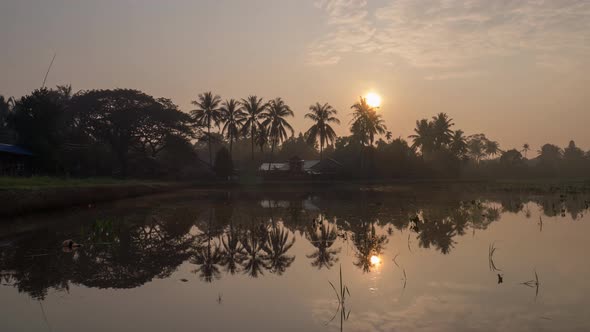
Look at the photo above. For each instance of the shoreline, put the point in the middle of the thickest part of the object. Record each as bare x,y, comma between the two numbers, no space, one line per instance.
22,201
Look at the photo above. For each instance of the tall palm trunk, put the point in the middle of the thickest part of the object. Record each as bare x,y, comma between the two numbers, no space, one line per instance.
272,150
252,136
209,141
231,143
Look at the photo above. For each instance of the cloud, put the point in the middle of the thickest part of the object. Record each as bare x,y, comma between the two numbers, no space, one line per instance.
453,35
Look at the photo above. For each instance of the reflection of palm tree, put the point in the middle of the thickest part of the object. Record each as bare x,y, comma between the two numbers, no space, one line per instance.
254,259
367,244
233,251
323,239
208,257
276,250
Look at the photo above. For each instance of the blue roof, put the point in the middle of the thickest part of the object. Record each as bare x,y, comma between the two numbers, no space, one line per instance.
8,148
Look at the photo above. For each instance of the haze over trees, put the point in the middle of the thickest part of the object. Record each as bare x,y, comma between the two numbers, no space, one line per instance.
127,133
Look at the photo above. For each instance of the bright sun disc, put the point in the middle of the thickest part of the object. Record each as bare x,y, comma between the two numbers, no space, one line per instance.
373,99
375,260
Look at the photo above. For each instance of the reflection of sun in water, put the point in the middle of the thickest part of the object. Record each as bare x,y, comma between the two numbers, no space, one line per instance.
373,99
375,260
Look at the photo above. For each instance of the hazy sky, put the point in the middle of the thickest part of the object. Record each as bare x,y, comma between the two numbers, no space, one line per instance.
515,70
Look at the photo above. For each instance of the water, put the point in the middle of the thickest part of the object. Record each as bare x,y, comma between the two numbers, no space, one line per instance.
412,258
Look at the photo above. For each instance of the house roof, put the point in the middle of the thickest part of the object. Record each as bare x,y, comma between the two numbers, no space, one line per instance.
274,167
13,149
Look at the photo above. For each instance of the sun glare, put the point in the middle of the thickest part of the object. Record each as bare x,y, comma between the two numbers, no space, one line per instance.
373,99
375,260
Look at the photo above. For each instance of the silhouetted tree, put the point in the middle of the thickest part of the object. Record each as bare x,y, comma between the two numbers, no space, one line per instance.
323,116
526,148
275,123
254,109
207,114
366,123
232,118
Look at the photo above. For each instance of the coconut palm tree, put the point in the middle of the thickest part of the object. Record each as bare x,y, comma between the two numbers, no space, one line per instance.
423,137
492,148
441,127
232,118
388,136
366,123
275,123
323,116
253,109
526,148
207,114
458,143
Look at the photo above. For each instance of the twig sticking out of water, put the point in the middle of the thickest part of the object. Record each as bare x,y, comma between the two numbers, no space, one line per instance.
405,279
533,283
341,296
396,264
491,250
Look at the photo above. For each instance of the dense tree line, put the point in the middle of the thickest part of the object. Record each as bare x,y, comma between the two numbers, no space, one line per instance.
125,132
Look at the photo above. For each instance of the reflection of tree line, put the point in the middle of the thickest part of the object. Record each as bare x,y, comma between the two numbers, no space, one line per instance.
242,237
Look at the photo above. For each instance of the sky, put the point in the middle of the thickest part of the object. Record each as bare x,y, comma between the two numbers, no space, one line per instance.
514,70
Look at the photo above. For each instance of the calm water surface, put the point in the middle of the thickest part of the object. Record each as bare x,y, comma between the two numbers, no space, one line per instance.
412,259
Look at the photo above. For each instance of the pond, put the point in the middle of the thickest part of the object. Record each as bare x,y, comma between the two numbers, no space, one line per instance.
405,259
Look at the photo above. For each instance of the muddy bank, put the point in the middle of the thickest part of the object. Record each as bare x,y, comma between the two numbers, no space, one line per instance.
15,202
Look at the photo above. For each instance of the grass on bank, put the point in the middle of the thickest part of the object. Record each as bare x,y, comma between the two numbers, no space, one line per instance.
43,182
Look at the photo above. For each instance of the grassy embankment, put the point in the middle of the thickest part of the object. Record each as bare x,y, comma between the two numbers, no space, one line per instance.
25,195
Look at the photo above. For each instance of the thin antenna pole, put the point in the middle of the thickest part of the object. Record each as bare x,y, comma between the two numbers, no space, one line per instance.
48,69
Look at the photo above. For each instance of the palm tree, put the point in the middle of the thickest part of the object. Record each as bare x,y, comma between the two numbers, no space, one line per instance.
322,115
423,137
253,109
261,139
207,114
388,136
492,148
275,123
526,148
366,123
232,118
458,143
441,126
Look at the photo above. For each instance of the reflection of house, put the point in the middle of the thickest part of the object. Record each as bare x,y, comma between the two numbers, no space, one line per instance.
299,168
14,160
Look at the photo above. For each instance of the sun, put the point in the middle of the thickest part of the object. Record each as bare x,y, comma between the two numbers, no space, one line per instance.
373,99
375,260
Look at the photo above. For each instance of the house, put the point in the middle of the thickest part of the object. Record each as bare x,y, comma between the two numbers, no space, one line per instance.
297,168
14,160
